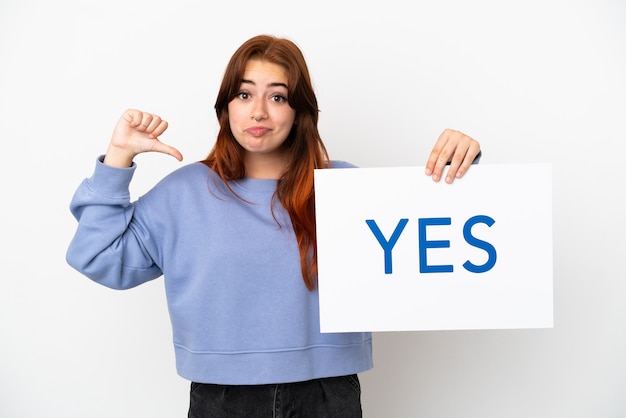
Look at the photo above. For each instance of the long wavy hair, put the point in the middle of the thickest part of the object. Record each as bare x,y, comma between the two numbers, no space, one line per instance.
306,150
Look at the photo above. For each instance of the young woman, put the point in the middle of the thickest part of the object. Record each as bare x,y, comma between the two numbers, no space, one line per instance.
234,238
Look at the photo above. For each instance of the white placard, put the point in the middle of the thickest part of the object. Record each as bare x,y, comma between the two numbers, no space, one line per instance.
399,252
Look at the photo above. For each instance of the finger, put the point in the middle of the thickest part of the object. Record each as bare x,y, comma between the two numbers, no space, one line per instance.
470,156
435,154
158,129
440,166
133,117
154,123
456,163
440,155
146,120
167,149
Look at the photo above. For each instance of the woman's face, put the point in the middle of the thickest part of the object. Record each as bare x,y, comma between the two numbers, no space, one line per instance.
260,116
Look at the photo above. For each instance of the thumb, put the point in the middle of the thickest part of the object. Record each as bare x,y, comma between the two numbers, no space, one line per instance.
163,148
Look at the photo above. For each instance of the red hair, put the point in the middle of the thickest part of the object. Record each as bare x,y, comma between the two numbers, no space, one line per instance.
305,147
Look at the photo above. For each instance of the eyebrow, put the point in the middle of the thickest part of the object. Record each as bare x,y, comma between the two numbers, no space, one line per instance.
269,85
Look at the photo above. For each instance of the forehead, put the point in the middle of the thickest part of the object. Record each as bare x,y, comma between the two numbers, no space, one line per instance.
264,72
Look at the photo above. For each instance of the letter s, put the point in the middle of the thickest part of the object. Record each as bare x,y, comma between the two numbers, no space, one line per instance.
475,242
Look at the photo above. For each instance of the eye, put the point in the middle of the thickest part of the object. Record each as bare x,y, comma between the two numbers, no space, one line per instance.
243,95
279,98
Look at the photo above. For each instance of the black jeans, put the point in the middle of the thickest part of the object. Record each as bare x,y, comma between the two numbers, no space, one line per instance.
334,397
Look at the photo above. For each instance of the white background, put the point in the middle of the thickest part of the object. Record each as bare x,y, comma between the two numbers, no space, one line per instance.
534,81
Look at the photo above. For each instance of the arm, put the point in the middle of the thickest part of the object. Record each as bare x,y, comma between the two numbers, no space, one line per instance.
111,246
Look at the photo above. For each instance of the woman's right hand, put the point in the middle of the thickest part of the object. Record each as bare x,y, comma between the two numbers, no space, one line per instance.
137,132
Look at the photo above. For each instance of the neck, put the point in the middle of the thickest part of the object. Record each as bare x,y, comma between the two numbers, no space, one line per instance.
265,166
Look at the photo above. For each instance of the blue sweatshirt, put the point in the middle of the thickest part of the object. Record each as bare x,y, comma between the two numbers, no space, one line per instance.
239,309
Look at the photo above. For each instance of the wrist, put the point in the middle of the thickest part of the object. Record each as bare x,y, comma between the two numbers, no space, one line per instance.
118,157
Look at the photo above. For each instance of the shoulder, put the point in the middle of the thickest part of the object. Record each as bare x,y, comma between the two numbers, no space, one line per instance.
186,173
187,177
340,164
191,169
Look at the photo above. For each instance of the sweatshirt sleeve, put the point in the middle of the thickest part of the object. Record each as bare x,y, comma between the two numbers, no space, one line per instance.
108,247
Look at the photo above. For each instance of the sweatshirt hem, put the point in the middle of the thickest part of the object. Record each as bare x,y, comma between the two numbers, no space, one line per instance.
275,366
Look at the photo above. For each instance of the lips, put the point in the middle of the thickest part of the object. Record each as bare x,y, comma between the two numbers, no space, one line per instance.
257,130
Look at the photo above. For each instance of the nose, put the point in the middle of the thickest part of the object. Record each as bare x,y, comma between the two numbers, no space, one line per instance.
259,111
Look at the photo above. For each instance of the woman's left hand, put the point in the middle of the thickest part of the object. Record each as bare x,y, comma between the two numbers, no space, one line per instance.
455,148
